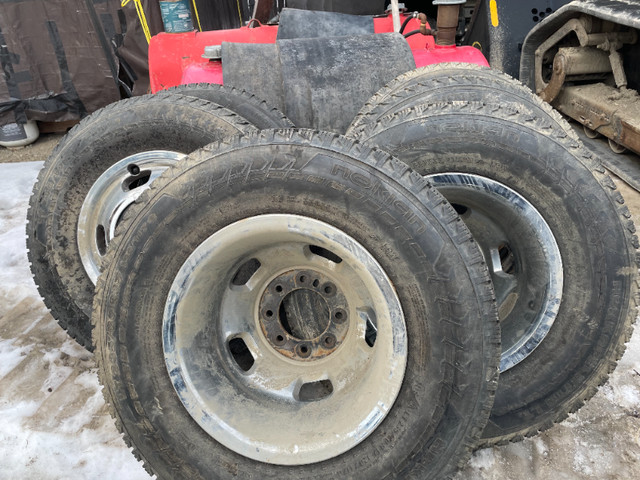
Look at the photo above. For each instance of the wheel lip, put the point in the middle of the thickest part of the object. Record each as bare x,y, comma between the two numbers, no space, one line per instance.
102,206
218,428
521,349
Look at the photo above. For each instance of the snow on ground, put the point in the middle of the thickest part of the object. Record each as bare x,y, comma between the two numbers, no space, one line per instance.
53,420
16,181
54,423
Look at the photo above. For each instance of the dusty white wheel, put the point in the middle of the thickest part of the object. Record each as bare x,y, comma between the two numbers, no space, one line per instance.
117,188
305,332
91,178
279,321
560,248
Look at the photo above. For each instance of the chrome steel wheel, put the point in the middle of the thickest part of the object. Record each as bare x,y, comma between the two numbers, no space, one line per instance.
111,194
522,254
284,339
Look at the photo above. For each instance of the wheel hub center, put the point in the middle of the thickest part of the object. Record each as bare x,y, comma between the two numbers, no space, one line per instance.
303,315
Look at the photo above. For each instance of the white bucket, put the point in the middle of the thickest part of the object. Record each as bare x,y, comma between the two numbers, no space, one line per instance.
19,135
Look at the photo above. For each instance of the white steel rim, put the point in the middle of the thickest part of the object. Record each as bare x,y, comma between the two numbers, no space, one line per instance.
115,190
258,410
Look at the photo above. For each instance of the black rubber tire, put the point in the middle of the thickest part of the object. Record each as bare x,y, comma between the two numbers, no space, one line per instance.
448,82
450,314
245,104
591,225
167,122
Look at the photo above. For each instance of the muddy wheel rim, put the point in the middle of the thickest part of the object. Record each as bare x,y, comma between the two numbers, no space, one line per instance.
521,252
284,339
117,188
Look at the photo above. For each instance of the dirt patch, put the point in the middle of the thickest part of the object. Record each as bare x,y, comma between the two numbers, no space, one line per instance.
36,152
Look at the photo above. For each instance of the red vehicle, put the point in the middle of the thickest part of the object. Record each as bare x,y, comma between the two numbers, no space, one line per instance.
177,59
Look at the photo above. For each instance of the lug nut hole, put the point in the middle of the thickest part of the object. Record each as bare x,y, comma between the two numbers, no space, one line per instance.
329,341
339,316
303,350
329,289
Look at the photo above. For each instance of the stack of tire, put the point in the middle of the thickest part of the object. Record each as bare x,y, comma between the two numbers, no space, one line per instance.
456,271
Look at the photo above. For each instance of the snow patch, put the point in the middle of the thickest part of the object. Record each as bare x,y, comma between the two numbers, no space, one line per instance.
73,349
541,447
86,443
483,459
11,356
16,183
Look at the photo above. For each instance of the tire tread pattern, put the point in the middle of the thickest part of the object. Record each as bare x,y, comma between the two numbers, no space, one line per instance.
556,128
395,169
44,207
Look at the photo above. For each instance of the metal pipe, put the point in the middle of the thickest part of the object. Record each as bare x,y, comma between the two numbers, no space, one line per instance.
447,24
395,14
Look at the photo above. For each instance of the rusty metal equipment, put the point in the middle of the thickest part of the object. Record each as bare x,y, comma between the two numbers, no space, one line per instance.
588,81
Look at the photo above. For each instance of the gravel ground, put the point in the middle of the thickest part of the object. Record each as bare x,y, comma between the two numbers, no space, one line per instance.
39,150
54,424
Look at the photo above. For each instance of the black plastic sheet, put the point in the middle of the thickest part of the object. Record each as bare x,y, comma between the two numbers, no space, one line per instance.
63,59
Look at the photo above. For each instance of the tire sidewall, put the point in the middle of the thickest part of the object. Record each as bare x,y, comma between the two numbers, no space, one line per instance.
171,122
541,167
431,280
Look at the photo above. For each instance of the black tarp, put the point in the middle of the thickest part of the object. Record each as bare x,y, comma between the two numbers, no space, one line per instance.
222,14
61,58
64,59
353,7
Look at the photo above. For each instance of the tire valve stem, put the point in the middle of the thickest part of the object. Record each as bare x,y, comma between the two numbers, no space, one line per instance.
134,169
